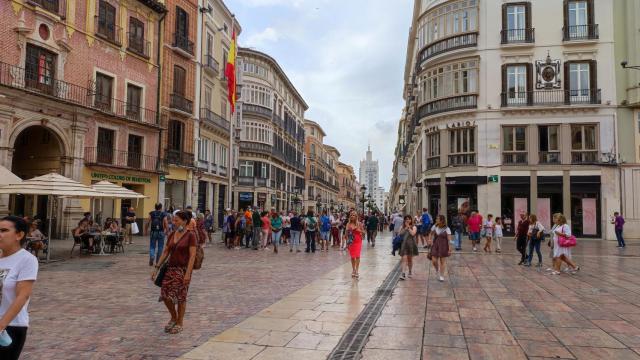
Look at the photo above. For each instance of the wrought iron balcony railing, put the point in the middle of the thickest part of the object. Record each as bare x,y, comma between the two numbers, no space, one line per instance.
180,158
215,119
580,32
256,109
433,162
549,157
211,64
462,160
181,103
462,102
551,97
108,31
181,41
138,45
54,6
18,78
584,157
122,159
255,147
517,36
514,158
449,44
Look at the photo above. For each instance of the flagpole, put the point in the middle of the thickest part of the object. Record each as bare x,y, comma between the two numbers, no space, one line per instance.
232,122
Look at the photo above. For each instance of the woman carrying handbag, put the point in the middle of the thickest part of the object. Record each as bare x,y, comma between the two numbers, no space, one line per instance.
562,252
173,274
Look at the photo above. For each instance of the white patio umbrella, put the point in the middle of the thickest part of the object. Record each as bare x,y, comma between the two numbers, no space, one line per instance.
116,192
51,185
7,177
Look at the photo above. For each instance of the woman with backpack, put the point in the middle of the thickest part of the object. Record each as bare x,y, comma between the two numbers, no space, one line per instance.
536,236
561,253
180,254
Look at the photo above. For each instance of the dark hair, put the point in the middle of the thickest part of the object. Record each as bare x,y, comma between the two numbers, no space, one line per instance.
20,225
442,219
158,206
407,217
184,215
86,213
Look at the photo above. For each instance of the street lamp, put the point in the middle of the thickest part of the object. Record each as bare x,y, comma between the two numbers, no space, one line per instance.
625,65
363,189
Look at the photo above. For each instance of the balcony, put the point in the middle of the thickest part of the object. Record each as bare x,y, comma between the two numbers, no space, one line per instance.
551,98
549,157
108,31
580,32
255,147
433,162
181,42
584,157
179,102
257,110
121,159
246,180
215,120
52,6
138,45
517,36
514,158
16,77
462,102
261,182
180,158
462,160
449,44
211,65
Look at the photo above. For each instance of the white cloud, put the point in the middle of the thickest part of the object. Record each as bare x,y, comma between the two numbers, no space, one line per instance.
260,39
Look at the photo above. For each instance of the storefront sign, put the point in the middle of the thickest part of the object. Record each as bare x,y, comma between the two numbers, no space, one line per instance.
466,180
246,196
123,178
432,182
262,197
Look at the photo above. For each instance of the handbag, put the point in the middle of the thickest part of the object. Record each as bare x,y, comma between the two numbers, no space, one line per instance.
162,269
349,237
567,241
134,228
197,264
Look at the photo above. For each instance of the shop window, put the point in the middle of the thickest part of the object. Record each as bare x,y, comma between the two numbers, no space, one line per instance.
583,144
514,145
105,146
40,69
549,149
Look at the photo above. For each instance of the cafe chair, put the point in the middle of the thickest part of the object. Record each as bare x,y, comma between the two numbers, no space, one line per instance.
77,241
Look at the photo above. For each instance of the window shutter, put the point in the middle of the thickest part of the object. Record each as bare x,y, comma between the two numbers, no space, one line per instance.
565,9
590,13
528,35
504,85
567,83
504,22
593,81
529,67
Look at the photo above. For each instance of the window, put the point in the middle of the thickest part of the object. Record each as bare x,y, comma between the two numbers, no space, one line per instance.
548,144
583,144
433,150
579,21
577,11
258,95
223,156
214,153
225,59
136,36
517,84
462,147
581,82
40,69
246,168
514,144
104,91
179,80
107,22
516,23
448,20
203,149
449,80
207,97
134,101
176,129
134,151
105,145
182,24
209,45
49,5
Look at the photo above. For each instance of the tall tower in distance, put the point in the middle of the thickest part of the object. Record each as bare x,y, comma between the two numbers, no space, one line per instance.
369,172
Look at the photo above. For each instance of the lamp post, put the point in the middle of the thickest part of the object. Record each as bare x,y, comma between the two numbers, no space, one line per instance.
318,203
363,190
625,65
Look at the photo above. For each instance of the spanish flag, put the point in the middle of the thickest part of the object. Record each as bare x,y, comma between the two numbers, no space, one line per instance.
230,72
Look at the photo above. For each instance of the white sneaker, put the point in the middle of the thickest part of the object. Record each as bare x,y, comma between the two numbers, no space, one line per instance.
475,249
441,278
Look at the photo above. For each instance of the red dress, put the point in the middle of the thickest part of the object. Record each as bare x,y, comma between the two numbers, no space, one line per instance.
356,246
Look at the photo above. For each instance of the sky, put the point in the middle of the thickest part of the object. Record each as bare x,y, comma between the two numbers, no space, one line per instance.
346,58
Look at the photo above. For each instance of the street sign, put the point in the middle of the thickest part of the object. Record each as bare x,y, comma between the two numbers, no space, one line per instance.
162,178
493,178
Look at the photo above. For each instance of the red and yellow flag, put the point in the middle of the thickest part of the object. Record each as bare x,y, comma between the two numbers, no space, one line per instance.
230,72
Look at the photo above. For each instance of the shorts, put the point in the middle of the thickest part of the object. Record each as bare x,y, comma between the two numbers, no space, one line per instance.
324,235
474,236
423,230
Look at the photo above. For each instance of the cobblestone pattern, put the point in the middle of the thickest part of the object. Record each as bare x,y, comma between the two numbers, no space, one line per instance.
106,307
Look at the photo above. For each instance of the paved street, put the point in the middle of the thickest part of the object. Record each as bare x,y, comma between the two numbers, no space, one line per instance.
256,305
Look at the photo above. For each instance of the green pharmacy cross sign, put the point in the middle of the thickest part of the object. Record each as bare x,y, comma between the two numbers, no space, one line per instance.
493,178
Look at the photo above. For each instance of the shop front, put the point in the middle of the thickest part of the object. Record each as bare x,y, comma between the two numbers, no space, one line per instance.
585,206
245,199
262,200
175,189
515,199
549,199
462,194
433,196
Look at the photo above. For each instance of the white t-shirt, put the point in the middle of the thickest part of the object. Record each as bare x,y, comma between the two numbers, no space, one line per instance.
439,230
20,266
286,222
498,229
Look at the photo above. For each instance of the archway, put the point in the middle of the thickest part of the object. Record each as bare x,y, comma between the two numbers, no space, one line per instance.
36,151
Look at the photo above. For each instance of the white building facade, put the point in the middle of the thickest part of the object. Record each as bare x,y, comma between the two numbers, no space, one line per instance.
510,108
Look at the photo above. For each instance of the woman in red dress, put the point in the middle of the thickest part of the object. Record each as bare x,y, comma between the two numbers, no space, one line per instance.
354,233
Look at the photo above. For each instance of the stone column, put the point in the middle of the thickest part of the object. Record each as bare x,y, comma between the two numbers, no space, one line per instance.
566,195
532,144
6,152
443,194
565,143
69,210
534,192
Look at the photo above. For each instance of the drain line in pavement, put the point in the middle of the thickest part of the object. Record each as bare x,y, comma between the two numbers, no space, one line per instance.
355,338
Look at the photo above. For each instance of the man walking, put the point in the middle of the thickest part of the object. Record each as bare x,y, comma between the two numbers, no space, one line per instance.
457,226
425,227
618,222
475,223
372,229
129,219
159,226
310,228
257,228
522,231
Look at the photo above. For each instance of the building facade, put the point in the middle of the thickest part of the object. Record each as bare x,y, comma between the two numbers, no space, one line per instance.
78,97
322,187
271,137
348,195
369,172
212,176
542,140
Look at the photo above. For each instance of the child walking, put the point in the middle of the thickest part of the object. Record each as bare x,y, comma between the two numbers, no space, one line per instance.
498,234
488,229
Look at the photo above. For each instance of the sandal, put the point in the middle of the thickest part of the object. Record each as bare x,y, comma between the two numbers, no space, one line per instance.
175,330
169,326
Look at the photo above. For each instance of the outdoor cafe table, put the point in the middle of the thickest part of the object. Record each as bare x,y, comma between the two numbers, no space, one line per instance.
101,236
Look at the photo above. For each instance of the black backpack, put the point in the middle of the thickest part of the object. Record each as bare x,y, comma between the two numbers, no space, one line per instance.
156,220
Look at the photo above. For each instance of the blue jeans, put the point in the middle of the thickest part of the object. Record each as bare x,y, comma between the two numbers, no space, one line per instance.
619,237
457,239
295,239
534,244
311,241
157,241
275,237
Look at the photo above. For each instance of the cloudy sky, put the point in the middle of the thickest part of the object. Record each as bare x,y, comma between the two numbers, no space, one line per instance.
346,58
